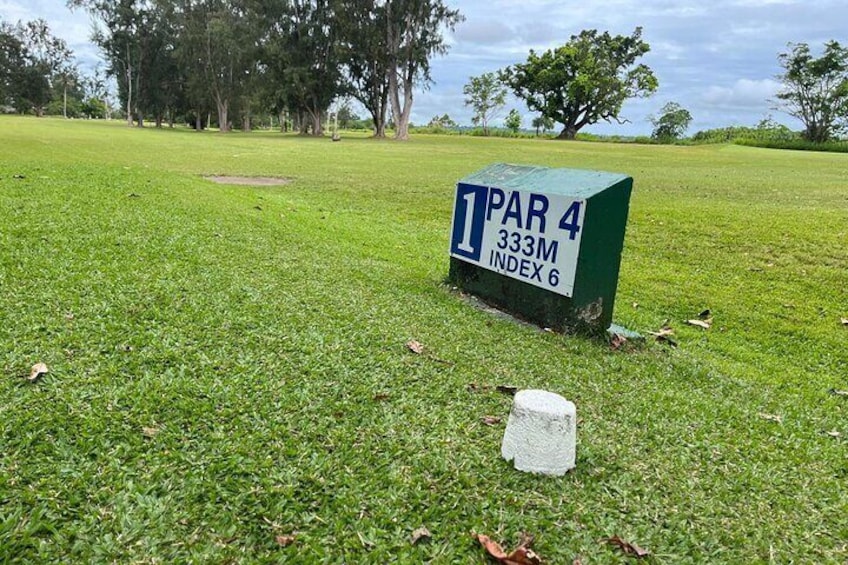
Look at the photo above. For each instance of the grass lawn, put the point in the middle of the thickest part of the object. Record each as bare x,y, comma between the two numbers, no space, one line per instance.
228,363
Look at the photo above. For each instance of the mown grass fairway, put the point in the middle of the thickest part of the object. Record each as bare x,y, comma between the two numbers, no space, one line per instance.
228,363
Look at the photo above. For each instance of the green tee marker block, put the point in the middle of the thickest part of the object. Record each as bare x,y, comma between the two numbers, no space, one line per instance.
543,244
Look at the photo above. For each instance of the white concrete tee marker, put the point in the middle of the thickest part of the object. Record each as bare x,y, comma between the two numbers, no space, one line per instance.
541,433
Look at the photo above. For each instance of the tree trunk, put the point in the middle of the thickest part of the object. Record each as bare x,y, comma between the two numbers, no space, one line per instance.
245,122
65,102
317,128
223,123
129,95
159,120
400,113
140,120
569,132
198,124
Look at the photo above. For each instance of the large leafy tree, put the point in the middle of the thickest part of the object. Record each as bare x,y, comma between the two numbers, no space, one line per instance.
486,95
217,45
672,122
815,90
584,81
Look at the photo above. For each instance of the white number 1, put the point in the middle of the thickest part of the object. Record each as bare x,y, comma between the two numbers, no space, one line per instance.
465,244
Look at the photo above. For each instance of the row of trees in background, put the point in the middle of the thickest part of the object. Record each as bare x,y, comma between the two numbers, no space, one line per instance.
240,57
185,59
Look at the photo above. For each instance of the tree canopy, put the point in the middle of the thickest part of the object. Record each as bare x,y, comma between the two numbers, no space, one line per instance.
584,81
672,122
815,90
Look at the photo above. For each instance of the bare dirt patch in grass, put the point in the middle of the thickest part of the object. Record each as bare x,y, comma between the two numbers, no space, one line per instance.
249,181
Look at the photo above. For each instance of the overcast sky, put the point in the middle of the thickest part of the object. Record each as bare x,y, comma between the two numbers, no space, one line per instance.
718,58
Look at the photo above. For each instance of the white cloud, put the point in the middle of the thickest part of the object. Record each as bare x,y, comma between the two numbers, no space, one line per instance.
744,93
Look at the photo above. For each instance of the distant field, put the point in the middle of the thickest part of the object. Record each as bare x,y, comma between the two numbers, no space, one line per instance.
228,363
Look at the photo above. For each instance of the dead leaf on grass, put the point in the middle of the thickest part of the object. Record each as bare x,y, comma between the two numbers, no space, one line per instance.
522,555
705,324
628,547
415,346
771,417
285,541
491,420
844,321
381,396
834,433
37,370
663,335
420,534
149,432
507,389
835,392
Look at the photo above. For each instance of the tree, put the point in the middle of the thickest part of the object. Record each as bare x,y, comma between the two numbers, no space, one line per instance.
815,90
584,81
513,121
12,63
35,60
346,116
486,95
542,124
414,34
672,122
363,30
121,31
442,122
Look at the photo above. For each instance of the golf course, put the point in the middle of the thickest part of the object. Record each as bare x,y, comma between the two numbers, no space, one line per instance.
227,377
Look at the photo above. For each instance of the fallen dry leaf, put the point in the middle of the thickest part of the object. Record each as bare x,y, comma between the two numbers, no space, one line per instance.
635,304
771,417
285,541
664,335
522,555
415,347
835,392
844,321
834,433
421,533
37,370
705,324
627,547
507,389
491,420
149,432
380,396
